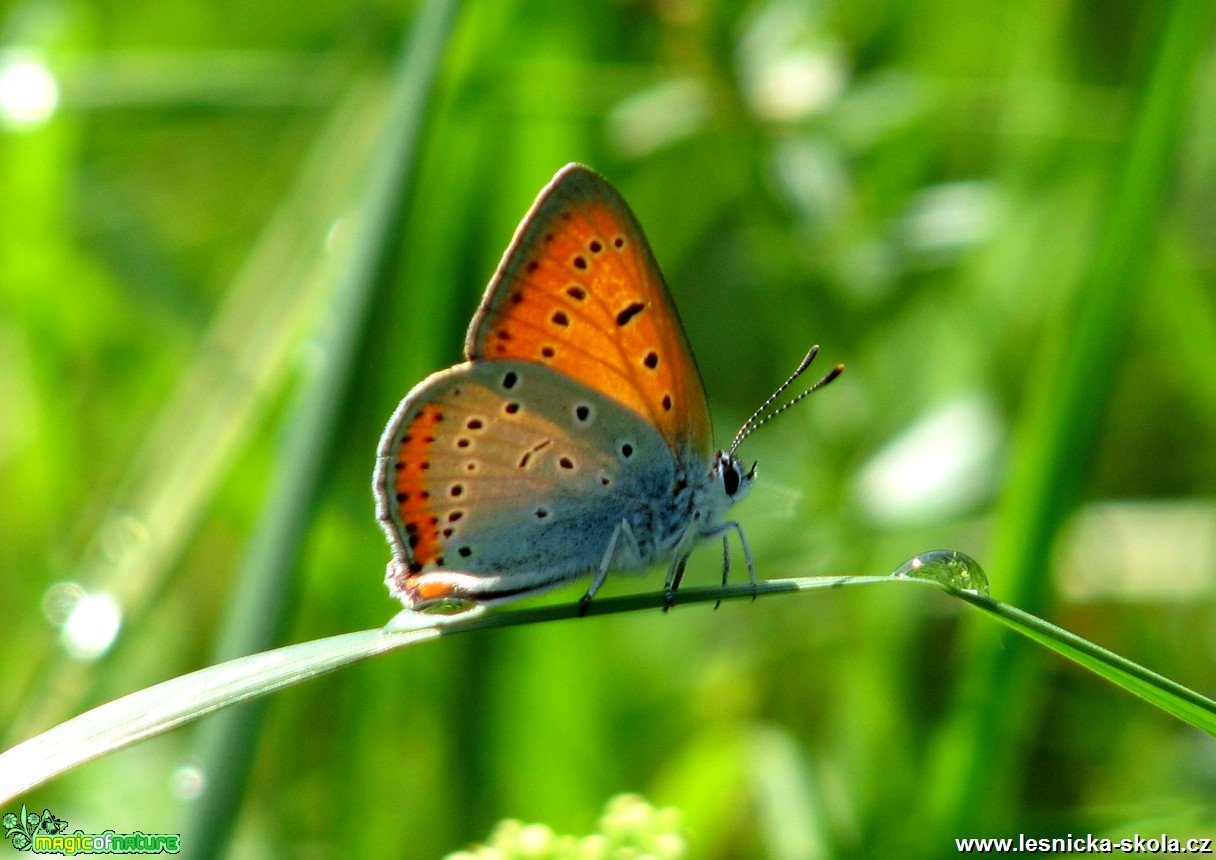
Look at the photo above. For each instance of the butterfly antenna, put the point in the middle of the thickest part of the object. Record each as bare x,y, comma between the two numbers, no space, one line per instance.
747,427
758,419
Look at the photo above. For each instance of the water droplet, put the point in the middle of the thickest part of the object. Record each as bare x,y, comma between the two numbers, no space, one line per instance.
122,536
92,626
947,566
59,601
187,782
29,93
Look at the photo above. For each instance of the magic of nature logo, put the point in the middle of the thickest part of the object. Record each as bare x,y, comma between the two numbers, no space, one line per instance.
48,834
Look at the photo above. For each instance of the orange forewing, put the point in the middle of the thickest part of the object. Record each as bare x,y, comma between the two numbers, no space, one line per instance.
580,291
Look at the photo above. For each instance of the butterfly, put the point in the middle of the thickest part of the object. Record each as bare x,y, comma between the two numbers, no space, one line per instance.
575,440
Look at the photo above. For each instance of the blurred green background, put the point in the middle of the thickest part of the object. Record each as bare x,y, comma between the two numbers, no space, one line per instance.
233,235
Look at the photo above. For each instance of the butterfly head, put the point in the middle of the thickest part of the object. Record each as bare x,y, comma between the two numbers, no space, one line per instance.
732,477
727,482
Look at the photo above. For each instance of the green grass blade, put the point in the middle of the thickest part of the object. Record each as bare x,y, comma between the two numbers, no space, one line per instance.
976,752
159,708
173,703
1173,698
263,603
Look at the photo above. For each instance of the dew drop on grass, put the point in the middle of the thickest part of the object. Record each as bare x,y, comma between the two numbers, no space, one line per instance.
948,567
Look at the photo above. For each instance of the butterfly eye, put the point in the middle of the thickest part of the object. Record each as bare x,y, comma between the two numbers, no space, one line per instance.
730,479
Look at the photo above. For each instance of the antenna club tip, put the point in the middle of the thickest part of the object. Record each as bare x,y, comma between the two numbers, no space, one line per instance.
806,360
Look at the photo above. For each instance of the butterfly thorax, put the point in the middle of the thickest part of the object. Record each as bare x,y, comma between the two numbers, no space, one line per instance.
696,506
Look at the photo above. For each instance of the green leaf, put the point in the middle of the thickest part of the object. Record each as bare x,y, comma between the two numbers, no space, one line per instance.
173,703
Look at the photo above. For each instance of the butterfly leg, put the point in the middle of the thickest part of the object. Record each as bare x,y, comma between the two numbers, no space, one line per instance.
747,552
623,531
675,573
725,565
